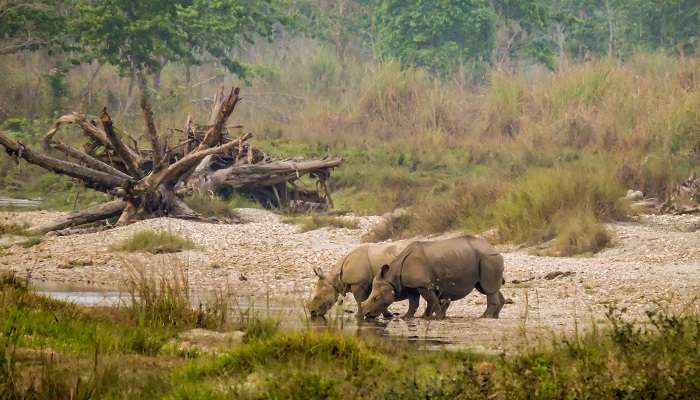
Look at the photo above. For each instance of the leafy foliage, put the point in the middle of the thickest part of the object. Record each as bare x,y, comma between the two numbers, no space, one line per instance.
144,35
440,35
524,27
30,24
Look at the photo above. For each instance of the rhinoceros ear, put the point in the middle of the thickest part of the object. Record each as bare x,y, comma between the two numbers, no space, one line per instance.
383,271
318,273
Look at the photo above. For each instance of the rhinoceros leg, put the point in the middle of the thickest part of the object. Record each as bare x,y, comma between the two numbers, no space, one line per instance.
444,305
413,301
494,304
433,306
360,293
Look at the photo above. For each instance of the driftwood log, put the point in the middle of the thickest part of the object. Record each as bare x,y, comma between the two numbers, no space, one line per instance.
152,182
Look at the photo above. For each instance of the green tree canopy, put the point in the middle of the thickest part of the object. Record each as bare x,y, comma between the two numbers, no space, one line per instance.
437,34
670,24
30,24
617,28
523,31
144,35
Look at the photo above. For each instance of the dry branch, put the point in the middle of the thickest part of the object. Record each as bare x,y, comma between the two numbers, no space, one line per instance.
89,129
87,160
131,160
214,133
92,178
97,213
151,131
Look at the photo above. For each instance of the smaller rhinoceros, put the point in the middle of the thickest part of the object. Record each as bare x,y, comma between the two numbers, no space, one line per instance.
353,273
440,272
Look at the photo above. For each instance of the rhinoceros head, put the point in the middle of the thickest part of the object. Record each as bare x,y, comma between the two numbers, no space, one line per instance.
324,296
381,297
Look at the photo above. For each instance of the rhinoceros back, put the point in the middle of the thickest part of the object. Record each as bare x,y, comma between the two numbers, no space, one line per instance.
363,262
455,265
355,266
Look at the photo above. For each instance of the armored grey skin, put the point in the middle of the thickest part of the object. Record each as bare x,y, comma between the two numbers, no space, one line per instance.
440,272
353,273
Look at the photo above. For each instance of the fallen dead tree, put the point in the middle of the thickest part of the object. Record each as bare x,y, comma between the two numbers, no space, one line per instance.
152,182
685,198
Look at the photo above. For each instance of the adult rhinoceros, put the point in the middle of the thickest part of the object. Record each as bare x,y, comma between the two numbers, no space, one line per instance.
353,273
440,272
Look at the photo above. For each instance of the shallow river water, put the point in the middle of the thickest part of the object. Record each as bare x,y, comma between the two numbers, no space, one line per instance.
455,332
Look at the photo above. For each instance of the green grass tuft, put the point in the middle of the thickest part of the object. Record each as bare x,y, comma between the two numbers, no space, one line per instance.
213,207
154,242
237,200
14,229
315,221
31,241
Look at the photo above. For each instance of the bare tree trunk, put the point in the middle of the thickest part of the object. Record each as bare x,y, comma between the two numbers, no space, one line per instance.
611,32
156,79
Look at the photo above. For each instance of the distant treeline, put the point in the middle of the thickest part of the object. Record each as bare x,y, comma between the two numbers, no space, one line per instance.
439,35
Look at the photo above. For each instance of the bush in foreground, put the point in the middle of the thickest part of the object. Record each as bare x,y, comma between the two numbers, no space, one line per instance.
657,360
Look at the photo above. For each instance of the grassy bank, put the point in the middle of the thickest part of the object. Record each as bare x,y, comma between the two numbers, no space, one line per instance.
538,155
122,353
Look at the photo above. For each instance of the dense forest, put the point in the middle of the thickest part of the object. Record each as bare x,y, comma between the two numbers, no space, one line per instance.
534,117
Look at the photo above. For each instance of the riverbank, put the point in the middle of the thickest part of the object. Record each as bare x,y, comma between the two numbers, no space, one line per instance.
654,261
52,349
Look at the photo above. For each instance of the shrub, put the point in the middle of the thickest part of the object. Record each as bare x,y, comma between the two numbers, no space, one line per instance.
568,200
164,298
154,242
394,225
580,233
